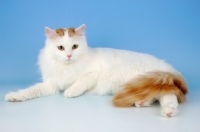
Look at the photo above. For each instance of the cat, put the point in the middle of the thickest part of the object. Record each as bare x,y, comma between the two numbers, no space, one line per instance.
68,64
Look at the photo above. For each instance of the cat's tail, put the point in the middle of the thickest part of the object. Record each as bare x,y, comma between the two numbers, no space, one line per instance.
149,86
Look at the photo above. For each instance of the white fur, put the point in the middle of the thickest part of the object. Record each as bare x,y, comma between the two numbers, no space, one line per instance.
90,70
169,105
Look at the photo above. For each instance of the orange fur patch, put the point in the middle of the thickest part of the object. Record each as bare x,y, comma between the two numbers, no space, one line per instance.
60,32
150,85
71,32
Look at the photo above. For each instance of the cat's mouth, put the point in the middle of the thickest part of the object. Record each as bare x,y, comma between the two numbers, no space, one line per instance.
68,60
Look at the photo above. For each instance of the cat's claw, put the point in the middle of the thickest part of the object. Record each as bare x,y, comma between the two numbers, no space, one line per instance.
168,112
14,97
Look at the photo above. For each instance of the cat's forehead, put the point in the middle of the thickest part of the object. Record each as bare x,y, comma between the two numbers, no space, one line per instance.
66,31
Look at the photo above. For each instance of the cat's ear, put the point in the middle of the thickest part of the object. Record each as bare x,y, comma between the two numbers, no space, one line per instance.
80,30
50,33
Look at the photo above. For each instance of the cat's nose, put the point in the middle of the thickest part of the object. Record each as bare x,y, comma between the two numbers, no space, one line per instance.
69,56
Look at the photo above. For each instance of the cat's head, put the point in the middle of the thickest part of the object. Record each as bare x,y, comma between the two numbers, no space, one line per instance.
66,44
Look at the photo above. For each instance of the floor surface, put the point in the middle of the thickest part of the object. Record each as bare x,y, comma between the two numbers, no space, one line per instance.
92,113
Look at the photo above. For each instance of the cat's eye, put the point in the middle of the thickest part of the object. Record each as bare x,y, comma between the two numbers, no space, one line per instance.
75,46
61,48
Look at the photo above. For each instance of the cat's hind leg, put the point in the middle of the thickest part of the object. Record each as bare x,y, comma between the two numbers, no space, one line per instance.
144,103
169,104
35,91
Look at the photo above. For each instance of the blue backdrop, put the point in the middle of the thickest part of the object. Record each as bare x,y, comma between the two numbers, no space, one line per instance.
168,29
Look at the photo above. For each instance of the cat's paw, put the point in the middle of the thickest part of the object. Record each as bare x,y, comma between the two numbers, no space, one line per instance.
15,97
70,93
142,103
168,111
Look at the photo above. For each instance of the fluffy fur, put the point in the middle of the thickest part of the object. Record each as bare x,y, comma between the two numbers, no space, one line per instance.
68,64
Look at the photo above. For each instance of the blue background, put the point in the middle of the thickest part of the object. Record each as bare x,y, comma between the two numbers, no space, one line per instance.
168,29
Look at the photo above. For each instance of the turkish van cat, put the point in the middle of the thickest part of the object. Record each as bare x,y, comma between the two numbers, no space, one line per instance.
68,64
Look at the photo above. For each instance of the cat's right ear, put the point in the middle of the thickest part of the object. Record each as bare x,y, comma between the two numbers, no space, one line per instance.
50,33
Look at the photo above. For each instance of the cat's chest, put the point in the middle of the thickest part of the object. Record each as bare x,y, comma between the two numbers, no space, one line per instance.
67,75
64,76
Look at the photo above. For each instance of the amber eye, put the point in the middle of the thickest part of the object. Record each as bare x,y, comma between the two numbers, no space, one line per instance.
61,48
75,46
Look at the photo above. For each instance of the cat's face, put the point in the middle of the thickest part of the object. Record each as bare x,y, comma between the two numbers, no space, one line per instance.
66,45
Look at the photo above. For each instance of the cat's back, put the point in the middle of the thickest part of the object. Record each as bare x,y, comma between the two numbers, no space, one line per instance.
114,57
118,55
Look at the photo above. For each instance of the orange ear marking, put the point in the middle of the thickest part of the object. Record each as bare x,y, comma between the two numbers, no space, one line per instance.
60,32
71,32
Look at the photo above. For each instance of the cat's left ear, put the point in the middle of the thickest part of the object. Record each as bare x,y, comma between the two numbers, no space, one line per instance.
80,30
50,33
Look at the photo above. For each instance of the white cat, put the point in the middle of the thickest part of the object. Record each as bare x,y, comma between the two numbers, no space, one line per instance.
68,64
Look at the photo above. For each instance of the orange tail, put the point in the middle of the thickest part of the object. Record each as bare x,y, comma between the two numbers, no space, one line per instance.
150,85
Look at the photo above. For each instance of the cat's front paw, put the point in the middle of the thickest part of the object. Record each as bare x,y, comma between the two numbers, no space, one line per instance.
168,111
15,97
70,93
